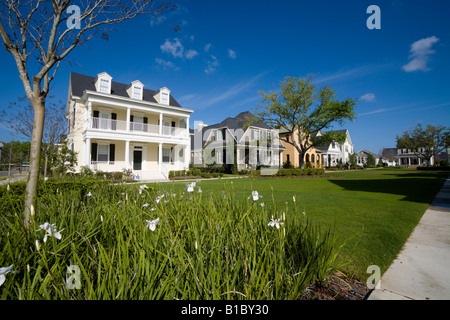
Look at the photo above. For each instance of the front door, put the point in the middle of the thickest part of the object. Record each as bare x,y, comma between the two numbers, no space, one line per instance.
137,160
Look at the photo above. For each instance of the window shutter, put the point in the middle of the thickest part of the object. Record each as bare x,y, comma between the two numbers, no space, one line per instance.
145,124
113,121
95,121
93,152
112,151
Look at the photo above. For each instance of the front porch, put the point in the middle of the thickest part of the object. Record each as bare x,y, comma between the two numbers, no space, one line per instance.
146,160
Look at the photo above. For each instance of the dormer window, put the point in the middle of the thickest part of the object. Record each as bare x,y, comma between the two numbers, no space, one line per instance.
103,83
137,92
163,96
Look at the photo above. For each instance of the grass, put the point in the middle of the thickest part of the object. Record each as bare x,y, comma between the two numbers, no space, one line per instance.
211,245
372,211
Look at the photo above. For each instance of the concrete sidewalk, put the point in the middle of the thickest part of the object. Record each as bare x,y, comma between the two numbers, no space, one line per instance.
422,269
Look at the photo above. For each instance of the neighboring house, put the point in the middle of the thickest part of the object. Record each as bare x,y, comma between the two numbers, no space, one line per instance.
444,156
361,157
408,158
115,126
312,156
242,138
390,156
335,153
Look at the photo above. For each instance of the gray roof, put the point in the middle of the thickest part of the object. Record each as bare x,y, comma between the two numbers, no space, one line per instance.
390,153
241,121
368,152
80,83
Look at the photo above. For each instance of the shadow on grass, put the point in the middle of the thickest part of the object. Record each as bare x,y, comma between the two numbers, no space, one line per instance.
415,186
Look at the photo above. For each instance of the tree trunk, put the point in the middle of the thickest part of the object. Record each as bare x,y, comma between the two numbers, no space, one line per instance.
45,164
301,158
33,177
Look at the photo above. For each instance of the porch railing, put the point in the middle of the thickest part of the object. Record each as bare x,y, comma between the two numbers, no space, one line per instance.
120,125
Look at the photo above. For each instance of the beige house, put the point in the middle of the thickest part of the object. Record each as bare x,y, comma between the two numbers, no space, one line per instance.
115,126
291,154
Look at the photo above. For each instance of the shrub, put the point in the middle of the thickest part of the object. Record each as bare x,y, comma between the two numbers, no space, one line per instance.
206,175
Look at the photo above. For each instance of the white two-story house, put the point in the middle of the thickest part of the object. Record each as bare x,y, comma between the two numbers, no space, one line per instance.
115,126
335,153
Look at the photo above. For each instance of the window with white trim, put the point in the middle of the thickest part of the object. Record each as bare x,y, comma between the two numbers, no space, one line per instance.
103,153
137,92
104,85
164,98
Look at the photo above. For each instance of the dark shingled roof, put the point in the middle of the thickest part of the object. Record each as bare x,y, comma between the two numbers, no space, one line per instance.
390,153
242,121
81,82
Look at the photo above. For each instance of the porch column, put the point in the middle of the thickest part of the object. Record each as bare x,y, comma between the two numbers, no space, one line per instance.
159,154
87,152
127,154
128,120
88,116
187,156
160,125
187,127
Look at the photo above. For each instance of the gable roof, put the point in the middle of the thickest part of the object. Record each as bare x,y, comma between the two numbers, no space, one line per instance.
368,152
242,121
80,82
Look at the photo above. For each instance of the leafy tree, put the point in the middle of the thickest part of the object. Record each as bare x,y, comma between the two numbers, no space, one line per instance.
48,31
14,153
63,160
306,112
353,160
370,160
425,142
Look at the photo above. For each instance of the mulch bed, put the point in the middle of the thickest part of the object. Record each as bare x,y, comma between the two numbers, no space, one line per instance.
339,287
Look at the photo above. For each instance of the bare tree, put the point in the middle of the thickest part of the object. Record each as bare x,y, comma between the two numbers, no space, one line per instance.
20,119
48,31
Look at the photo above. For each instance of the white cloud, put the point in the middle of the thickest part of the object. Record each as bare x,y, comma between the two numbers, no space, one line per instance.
212,65
166,64
368,97
420,52
190,54
176,49
232,54
207,47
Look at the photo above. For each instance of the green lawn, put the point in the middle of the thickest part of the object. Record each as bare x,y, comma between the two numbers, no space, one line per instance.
372,211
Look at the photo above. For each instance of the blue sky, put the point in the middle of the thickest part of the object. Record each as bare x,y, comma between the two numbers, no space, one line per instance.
227,51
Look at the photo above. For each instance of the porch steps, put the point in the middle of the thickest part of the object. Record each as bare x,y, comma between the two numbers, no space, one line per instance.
150,176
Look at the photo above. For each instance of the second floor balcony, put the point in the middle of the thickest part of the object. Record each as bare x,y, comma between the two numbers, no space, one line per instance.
112,125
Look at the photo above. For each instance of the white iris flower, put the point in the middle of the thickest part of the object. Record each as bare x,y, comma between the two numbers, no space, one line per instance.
152,224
